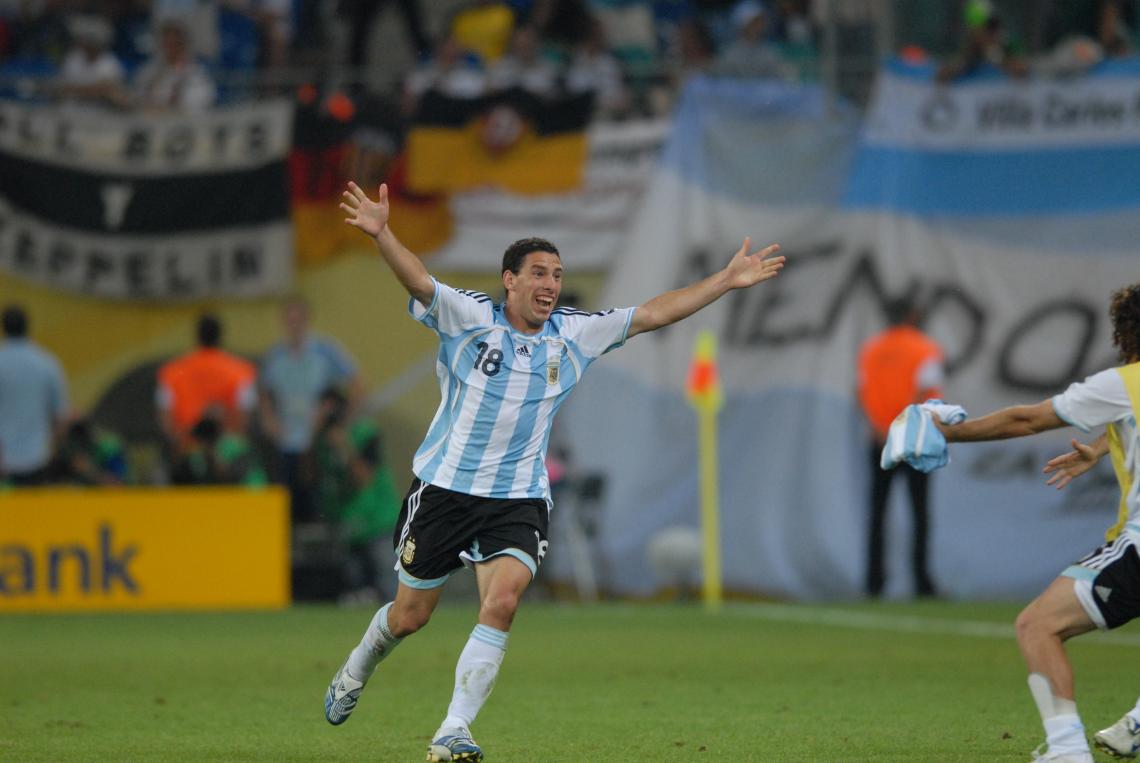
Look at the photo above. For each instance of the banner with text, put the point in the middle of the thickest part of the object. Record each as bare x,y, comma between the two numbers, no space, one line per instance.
132,549
145,206
1014,267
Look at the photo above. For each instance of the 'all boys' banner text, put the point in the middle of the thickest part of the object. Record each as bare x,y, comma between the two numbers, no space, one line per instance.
147,207
1012,241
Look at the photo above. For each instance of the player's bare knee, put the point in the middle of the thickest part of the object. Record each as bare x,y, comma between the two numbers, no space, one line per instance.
408,619
1032,625
498,609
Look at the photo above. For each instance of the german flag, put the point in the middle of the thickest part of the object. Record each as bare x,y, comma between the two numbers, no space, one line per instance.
513,140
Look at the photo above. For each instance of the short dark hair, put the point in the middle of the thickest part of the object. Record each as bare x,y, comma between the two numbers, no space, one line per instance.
1125,314
517,252
15,322
209,331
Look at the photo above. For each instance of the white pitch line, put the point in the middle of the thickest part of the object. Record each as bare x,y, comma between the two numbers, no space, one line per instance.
882,621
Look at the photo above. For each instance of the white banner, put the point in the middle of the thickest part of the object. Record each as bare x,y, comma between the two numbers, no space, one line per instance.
1018,323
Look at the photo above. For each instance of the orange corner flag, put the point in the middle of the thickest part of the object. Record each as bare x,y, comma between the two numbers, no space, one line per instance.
703,385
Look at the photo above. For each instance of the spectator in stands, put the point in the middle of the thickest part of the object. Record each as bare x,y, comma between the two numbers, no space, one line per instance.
214,456
89,455
294,373
563,23
594,69
91,74
792,23
357,494
696,50
360,15
38,33
198,17
133,35
483,27
1113,34
985,45
173,80
451,72
751,54
33,403
273,20
208,376
524,66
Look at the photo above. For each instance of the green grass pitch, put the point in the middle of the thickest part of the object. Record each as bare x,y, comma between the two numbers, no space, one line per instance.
864,682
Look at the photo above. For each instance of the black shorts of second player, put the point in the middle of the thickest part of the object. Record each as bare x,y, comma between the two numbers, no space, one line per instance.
440,530
1107,583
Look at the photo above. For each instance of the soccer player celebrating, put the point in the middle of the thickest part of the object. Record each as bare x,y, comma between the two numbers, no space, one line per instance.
1102,590
480,496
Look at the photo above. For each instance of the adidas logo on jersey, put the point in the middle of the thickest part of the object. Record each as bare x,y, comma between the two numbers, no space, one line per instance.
1103,592
523,350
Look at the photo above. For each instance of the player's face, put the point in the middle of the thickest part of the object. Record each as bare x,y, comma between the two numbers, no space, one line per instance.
533,293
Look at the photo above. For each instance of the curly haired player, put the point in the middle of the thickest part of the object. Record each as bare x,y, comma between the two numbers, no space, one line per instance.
1101,590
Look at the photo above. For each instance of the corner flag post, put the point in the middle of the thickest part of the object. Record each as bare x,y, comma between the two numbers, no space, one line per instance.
704,393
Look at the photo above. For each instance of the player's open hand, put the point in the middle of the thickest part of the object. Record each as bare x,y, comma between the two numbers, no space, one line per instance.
750,268
1068,466
363,213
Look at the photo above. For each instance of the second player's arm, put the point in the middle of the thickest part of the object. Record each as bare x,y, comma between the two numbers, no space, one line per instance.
371,217
746,269
1066,467
1015,421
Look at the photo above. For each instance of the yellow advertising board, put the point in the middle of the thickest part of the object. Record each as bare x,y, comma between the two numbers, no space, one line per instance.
143,548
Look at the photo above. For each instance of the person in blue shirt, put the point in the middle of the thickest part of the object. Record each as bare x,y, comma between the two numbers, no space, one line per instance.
33,403
294,373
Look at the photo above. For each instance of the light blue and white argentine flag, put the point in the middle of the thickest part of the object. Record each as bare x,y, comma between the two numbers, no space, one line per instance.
500,389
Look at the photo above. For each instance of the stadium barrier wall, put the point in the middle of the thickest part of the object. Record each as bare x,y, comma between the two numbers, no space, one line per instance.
143,549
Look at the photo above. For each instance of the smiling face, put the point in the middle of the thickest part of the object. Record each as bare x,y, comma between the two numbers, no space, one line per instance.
532,292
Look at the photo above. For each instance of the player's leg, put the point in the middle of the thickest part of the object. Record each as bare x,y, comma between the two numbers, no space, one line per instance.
501,582
511,544
410,611
1042,628
918,485
880,489
429,534
1114,595
1102,590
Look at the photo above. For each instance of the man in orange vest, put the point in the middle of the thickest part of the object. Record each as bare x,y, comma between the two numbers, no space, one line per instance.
205,378
897,367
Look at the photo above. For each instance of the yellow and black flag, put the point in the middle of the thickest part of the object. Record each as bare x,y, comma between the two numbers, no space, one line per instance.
513,140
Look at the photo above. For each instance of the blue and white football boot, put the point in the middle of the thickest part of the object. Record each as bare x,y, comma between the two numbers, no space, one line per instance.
1120,740
454,744
341,697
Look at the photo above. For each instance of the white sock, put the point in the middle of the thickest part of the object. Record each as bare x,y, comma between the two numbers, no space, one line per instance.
378,643
475,675
1066,734
1134,713
1064,731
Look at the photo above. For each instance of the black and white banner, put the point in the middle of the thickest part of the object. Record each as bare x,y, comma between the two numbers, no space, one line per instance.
146,207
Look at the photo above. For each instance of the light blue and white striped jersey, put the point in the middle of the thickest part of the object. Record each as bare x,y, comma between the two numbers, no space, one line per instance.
500,390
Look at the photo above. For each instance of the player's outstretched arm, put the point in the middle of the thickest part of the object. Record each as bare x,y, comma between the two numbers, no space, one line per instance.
1015,421
1066,467
371,218
746,269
